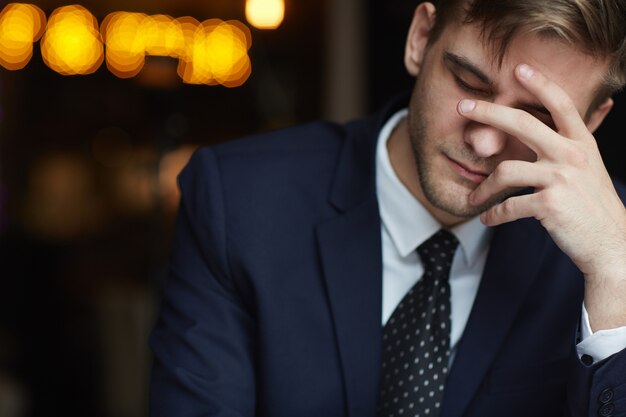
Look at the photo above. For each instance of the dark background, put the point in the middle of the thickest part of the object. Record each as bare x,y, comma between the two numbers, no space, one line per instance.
87,191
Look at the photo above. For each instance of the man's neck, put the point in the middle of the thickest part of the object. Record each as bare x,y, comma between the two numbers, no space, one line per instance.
403,162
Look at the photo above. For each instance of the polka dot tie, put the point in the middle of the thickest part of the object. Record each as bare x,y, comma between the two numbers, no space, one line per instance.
416,338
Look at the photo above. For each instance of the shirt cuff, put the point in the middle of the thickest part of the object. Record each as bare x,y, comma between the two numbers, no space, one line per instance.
601,344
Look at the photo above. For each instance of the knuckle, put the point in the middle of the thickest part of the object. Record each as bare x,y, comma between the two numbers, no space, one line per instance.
564,105
576,157
524,120
488,216
490,111
560,176
505,168
507,207
549,203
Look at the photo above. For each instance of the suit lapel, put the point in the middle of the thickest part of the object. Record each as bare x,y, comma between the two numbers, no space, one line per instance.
515,254
350,251
351,257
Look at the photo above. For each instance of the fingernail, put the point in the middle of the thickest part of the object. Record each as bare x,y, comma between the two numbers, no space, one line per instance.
467,106
526,72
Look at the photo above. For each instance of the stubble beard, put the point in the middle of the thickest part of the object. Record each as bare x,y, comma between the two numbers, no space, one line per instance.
450,199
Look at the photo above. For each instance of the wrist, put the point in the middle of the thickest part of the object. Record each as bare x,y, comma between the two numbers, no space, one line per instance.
605,300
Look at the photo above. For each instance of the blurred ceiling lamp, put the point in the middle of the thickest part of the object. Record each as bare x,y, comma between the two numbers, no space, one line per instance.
125,55
265,14
212,52
71,44
20,26
217,54
129,37
163,36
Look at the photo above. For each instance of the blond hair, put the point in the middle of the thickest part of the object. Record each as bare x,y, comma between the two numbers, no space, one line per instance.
596,27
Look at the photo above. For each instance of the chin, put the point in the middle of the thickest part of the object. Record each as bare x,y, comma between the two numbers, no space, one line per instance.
457,208
454,199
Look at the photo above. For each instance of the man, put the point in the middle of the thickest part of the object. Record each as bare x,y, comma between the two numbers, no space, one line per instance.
304,278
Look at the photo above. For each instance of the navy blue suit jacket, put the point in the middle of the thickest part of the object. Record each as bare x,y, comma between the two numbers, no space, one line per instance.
273,303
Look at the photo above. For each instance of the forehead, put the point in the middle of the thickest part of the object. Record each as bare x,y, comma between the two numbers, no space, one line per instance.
579,74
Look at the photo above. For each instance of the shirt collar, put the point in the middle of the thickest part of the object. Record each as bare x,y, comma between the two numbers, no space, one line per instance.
408,223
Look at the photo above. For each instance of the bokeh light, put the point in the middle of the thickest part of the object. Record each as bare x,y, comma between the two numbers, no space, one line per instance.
163,36
133,185
20,26
170,166
265,14
213,52
218,54
71,44
125,44
61,200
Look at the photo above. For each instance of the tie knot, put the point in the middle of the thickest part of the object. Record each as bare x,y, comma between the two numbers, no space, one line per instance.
438,251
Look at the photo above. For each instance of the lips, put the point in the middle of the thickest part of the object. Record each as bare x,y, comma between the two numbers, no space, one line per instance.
473,175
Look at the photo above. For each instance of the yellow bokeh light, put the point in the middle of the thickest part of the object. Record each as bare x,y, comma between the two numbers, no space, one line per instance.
265,14
163,36
71,44
20,26
217,55
212,52
125,53
189,26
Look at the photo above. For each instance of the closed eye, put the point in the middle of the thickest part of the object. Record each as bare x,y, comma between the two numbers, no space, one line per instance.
469,88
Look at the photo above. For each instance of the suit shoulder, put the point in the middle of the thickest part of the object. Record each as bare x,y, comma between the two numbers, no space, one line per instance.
270,164
318,136
310,151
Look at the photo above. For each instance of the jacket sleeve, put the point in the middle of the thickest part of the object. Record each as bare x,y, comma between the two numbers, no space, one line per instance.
203,342
598,389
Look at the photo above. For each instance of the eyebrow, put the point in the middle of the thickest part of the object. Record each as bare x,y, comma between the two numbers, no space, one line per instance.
467,65
464,63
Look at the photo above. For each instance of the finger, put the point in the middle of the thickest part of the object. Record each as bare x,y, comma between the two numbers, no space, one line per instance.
564,113
515,122
511,209
510,174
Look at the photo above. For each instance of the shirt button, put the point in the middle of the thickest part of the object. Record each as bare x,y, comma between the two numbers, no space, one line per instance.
606,410
606,396
587,360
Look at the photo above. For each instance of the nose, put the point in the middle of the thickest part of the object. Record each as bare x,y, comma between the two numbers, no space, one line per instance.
485,140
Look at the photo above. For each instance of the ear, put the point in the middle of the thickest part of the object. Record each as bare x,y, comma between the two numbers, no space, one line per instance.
417,39
598,115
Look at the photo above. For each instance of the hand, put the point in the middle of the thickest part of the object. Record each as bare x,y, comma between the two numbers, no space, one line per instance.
574,197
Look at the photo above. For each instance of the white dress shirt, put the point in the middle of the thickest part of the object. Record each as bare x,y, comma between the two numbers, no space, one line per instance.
406,224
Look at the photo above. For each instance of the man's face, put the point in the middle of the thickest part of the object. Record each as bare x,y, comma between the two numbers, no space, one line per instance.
454,155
